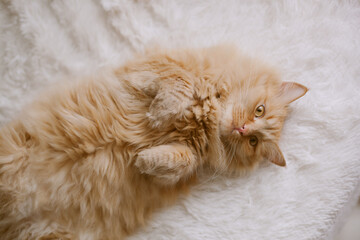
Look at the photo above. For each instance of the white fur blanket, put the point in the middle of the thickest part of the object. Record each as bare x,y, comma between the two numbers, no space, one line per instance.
316,43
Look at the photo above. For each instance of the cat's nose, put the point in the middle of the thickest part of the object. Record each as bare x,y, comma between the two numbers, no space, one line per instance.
240,130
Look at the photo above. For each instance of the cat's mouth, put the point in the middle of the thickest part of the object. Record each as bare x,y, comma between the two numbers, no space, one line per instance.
237,132
240,131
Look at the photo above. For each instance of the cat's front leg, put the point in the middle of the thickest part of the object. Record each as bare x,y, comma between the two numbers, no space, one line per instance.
171,102
167,163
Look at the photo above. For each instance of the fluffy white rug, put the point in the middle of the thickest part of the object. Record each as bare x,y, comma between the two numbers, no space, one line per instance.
316,43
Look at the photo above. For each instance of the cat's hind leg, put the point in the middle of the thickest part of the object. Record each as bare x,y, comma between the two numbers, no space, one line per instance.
32,229
167,163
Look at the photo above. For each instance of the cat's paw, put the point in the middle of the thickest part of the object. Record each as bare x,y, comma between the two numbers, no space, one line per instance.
167,163
166,109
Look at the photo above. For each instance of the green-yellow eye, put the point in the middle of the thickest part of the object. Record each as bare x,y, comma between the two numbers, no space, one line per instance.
253,141
260,111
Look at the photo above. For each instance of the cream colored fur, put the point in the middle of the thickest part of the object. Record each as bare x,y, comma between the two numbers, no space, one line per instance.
95,157
314,43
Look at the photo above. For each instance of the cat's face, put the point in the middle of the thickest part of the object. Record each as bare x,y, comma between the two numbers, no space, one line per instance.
253,112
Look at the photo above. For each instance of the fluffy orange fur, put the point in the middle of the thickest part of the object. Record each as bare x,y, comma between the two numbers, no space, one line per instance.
94,158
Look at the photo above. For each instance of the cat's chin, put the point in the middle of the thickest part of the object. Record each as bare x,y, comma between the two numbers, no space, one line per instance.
236,132
233,139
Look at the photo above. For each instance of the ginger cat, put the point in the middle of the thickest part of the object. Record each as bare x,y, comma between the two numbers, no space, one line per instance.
94,158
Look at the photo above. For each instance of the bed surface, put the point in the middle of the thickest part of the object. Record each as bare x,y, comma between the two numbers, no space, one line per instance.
315,43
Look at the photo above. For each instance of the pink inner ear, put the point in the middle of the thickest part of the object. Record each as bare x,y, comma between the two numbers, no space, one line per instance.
290,91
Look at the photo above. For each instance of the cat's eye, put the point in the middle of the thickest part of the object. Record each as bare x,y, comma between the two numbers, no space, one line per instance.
253,140
260,111
218,95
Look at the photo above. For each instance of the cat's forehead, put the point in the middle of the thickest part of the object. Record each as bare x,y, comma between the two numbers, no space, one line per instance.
250,96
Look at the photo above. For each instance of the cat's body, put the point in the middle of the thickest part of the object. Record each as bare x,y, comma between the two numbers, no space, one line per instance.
71,157
92,159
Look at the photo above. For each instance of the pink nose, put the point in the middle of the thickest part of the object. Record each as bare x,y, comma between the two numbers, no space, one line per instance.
241,130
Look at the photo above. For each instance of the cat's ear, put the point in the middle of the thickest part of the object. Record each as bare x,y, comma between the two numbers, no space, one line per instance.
290,91
274,154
